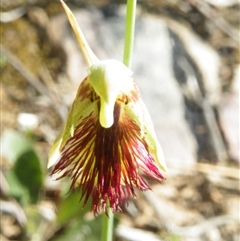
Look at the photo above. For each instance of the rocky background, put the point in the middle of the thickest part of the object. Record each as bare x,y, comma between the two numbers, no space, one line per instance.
186,64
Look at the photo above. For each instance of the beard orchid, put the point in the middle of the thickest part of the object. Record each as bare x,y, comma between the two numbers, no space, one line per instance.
108,140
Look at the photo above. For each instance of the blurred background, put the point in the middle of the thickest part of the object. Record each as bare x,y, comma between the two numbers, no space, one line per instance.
186,64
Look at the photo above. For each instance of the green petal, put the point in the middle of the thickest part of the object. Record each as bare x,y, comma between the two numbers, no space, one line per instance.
88,54
80,109
138,112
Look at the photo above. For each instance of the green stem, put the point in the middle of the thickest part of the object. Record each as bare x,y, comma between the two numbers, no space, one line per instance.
129,32
107,221
107,225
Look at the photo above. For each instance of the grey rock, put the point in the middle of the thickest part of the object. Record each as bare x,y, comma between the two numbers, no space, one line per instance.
229,117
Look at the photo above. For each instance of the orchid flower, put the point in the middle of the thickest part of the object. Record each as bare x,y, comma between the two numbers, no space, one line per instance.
108,140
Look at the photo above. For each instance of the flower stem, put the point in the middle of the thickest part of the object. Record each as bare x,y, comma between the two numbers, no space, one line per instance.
107,226
129,32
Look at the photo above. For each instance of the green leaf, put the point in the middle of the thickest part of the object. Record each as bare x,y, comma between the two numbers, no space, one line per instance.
29,173
70,207
17,190
26,176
